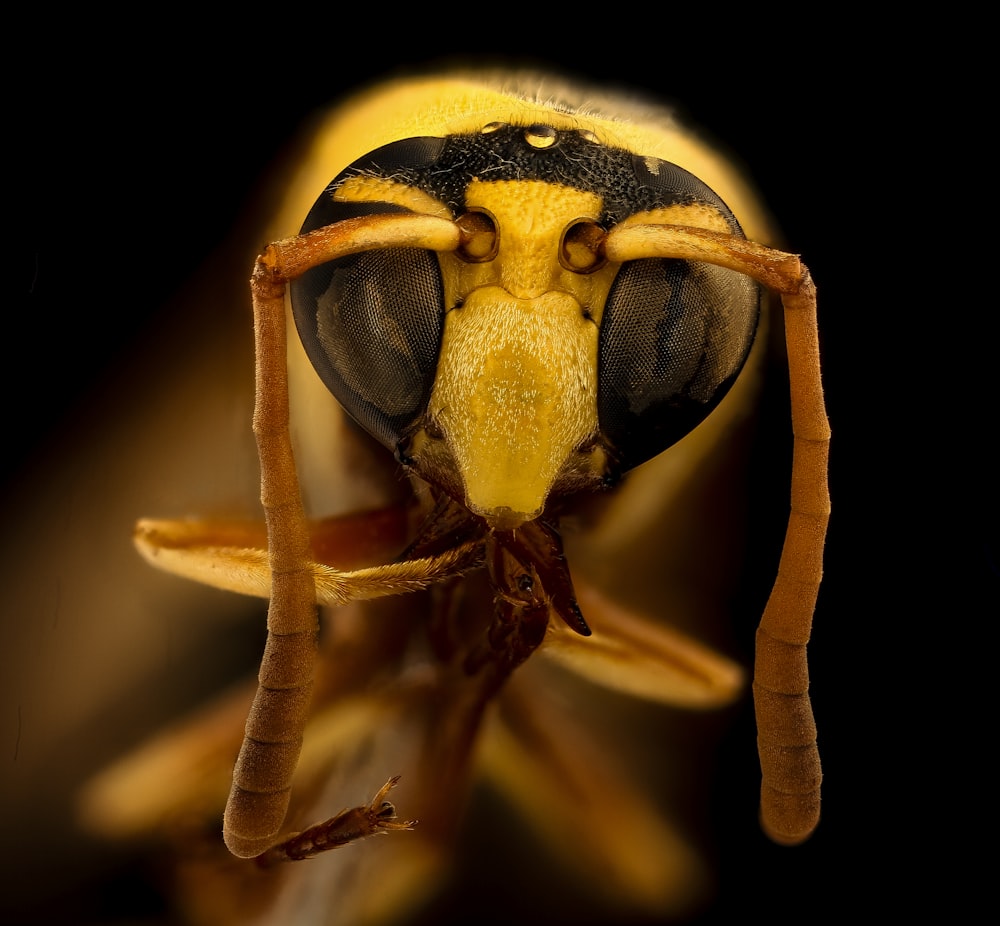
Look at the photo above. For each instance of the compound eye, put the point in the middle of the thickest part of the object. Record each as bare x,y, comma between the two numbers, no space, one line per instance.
580,248
674,336
674,333
371,323
480,240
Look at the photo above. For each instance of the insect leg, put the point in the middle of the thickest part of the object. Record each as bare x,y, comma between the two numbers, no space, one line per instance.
379,816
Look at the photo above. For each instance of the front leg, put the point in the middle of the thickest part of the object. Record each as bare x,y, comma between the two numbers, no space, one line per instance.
379,816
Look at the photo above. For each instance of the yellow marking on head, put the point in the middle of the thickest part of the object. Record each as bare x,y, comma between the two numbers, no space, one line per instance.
531,217
516,387
694,215
363,189
515,395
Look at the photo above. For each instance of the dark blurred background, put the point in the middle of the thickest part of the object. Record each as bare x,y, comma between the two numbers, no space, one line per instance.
144,165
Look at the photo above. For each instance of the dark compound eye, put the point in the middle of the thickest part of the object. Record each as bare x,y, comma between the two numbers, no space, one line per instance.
371,323
674,336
